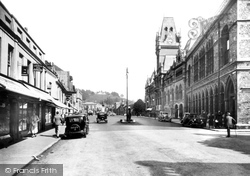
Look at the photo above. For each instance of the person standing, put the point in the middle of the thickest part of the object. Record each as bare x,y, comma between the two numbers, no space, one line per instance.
229,123
57,122
34,124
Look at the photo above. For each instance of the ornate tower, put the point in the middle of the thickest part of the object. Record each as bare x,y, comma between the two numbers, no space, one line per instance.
167,45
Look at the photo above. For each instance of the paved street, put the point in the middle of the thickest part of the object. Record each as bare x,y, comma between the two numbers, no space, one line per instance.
148,147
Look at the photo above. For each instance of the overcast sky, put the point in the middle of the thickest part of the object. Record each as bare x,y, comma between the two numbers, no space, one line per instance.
96,40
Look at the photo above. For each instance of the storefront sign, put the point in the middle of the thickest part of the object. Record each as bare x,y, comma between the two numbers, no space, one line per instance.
37,67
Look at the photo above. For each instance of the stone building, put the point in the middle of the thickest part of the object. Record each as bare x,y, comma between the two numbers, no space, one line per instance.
165,83
218,63
211,74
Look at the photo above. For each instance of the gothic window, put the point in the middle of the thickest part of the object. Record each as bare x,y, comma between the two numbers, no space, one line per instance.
199,103
189,74
202,62
196,68
224,46
180,90
216,100
207,109
211,101
210,57
172,94
176,93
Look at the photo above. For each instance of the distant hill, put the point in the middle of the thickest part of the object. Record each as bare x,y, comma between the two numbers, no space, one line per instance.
102,97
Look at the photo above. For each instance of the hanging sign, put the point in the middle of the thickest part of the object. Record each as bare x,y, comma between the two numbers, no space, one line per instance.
37,67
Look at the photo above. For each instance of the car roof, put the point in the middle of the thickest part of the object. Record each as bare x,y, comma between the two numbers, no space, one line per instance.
71,116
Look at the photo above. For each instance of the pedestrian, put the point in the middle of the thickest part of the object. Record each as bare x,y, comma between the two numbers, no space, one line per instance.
229,122
211,120
57,122
34,124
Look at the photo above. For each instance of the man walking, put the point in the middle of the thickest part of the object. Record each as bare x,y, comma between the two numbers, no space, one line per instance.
229,122
57,121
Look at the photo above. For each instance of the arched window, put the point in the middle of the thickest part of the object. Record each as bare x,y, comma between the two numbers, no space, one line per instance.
189,75
211,101
202,62
199,103
203,102
210,57
216,104
222,101
180,94
224,46
196,68
176,93
173,95
207,109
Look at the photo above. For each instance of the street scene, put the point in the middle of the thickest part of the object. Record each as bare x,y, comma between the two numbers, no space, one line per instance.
125,88
148,147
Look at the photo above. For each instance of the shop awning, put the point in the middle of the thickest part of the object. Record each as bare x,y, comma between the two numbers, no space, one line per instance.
60,104
46,97
40,94
15,86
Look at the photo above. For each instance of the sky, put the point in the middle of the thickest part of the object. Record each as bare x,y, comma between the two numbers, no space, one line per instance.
96,40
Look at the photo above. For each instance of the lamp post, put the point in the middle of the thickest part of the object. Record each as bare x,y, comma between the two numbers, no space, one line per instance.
127,92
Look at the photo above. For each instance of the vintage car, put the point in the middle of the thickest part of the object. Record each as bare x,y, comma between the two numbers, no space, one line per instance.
193,120
164,117
77,124
102,116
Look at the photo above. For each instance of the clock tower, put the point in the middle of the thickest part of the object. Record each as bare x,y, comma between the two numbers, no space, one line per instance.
167,45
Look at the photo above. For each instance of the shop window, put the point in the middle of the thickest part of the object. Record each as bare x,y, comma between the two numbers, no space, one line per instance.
23,116
4,118
48,115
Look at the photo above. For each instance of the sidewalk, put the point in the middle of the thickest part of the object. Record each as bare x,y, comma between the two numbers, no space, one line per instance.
215,129
22,152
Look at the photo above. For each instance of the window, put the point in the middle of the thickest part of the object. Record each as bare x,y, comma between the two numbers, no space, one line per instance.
202,63
210,57
224,46
48,115
20,33
189,75
10,55
28,42
23,116
196,68
7,20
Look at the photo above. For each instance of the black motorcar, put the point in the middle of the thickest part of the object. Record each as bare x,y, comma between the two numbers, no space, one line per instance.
164,117
77,124
102,116
193,120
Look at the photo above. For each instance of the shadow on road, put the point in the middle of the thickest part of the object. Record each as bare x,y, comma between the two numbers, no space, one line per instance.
192,168
238,143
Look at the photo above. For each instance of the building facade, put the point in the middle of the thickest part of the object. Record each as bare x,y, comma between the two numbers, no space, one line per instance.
212,73
27,83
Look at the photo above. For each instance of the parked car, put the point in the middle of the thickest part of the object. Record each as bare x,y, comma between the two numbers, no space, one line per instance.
164,117
193,120
77,124
90,112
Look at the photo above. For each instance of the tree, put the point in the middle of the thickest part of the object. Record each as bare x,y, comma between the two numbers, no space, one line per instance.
139,107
